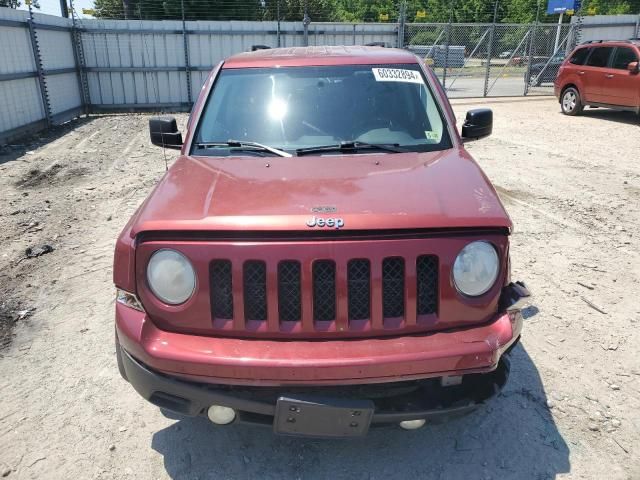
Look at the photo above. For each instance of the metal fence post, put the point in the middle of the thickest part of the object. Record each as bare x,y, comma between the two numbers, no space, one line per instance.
532,44
489,53
278,24
401,22
577,31
446,55
185,42
78,57
490,49
306,20
42,82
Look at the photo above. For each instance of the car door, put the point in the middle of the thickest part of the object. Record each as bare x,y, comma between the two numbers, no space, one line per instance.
593,73
621,87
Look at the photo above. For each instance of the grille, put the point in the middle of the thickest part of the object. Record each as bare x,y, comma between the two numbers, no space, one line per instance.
289,303
359,292
427,275
359,288
221,291
393,287
255,290
324,290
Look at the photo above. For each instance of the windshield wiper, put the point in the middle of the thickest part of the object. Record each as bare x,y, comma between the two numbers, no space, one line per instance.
352,146
241,144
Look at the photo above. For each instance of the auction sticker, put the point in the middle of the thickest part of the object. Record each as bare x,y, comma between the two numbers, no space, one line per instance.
397,75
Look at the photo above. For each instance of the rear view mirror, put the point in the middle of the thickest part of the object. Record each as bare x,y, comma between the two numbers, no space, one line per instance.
633,67
164,132
477,124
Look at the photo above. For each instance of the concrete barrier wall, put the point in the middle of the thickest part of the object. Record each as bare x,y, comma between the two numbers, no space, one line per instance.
38,75
51,72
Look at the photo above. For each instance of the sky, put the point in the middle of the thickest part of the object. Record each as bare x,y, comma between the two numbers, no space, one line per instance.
52,7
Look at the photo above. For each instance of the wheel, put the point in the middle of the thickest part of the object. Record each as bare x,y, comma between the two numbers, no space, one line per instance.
570,102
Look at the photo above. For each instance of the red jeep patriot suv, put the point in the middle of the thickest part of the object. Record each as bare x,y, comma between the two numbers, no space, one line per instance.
323,256
600,74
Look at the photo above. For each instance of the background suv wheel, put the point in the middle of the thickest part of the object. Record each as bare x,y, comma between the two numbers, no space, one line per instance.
570,102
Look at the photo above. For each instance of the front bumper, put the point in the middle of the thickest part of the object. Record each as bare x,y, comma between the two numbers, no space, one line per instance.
394,402
255,362
400,378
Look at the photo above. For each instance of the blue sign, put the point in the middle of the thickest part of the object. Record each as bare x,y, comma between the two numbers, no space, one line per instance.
555,7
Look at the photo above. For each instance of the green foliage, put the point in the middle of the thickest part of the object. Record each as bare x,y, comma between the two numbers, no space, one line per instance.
471,11
611,7
109,8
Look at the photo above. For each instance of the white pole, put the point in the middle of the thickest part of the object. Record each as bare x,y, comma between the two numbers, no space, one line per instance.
555,48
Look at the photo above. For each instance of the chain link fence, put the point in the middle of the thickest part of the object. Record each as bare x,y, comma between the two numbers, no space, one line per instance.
158,56
470,59
481,60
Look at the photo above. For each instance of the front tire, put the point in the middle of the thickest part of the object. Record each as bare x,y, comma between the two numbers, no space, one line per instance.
571,102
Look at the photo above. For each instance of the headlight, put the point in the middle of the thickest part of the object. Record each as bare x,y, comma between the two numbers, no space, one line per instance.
476,269
171,276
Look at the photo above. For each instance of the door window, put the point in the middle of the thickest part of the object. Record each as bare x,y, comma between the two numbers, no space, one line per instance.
623,57
579,56
599,57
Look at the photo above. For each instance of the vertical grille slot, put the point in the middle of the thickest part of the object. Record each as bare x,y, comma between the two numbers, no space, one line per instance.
359,289
427,278
289,301
393,287
254,279
324,290
221,289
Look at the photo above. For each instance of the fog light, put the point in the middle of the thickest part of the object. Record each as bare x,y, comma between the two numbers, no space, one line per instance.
413,424
221,415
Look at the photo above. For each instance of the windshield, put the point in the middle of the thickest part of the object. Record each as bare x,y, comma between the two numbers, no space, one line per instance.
303,107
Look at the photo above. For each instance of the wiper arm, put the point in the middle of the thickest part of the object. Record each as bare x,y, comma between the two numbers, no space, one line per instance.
246,145
352,146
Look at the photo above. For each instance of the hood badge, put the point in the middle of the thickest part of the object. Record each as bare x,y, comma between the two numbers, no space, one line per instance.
324,209
336,223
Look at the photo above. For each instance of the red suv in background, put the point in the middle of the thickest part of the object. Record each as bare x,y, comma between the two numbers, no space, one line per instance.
600,74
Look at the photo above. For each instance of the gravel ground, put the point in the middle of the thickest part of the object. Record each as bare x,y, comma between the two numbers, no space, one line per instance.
570,410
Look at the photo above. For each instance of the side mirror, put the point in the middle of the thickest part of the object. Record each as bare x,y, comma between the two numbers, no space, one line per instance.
478,124
164,132
633,67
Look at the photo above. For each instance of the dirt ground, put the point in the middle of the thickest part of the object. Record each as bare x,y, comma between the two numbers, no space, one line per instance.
570,410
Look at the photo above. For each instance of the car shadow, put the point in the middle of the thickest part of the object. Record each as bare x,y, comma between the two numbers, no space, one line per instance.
514,436
630,118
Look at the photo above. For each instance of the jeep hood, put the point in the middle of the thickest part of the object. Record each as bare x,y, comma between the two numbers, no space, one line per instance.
443,189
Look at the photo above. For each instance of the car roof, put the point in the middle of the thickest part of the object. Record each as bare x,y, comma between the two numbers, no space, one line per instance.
324,55
606,43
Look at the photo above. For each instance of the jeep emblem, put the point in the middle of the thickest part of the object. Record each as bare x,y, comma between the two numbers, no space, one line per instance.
336,223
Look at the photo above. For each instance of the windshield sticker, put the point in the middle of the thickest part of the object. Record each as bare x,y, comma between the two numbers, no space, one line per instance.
429,135
397,75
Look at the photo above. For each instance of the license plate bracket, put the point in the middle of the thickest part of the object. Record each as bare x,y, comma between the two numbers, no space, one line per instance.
320,417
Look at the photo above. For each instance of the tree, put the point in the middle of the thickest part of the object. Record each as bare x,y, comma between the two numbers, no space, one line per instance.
436,11
611,7
108,9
